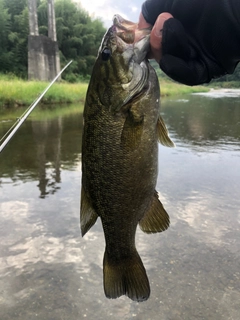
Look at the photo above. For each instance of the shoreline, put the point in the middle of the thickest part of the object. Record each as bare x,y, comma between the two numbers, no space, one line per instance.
18,93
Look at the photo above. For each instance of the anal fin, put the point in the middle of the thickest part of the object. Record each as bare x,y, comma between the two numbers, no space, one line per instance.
156,218
163,135
88,216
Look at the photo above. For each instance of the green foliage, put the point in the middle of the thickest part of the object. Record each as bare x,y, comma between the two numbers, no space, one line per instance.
13,36
12,88
5,56
229,77
78,35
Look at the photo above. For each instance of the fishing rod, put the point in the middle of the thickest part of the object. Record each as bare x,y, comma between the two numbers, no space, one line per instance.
7,137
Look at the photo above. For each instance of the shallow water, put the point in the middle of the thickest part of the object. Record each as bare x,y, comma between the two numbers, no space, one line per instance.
47,271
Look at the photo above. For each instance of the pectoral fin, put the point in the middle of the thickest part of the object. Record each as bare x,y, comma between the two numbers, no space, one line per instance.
132,130
88,216
156,218
163,135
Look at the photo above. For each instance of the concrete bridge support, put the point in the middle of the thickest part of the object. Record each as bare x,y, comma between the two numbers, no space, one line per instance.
43,52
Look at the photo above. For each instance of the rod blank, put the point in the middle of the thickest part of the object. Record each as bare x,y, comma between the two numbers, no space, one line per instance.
26,114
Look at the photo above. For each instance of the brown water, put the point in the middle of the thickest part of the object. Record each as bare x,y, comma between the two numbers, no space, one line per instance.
47,271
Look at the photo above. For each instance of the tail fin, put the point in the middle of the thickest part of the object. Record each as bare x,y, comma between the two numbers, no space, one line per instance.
125,277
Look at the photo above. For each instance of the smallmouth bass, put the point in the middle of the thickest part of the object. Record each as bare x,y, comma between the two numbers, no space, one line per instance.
122,127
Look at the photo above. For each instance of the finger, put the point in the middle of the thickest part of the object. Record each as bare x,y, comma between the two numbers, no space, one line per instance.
156,36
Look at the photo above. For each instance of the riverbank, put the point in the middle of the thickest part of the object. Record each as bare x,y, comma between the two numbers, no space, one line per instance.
16,92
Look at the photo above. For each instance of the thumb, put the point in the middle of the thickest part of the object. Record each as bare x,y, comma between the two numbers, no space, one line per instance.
156,36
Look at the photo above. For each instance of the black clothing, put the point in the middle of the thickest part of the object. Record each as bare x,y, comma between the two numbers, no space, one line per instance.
201,42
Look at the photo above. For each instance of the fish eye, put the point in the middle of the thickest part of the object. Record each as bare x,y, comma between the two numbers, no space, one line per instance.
106,54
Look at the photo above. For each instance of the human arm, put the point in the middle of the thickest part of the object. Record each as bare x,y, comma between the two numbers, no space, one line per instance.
200,42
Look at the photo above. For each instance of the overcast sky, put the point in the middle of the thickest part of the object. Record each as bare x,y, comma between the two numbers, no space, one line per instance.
105,9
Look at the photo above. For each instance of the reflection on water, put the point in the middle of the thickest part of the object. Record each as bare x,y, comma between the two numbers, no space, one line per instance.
49,272
205,123
40,149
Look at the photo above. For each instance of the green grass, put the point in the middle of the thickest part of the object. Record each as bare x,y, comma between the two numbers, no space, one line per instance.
16,92
170,88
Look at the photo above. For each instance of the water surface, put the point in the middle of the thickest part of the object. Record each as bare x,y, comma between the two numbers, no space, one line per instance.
47,271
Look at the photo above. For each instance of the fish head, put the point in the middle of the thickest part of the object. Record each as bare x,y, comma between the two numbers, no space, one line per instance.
121,69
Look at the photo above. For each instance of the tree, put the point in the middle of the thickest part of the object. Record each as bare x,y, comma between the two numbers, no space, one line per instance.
78,35
14,27
5,56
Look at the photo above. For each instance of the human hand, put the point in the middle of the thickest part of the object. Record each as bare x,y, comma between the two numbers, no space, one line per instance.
156,34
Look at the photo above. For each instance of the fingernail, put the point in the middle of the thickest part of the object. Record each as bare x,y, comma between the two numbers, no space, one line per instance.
159,27
160,22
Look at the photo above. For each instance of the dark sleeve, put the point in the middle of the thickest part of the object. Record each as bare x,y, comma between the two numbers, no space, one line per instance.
212,26
180,9
152,8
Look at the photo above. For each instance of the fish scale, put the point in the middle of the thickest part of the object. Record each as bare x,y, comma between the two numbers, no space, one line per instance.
122,126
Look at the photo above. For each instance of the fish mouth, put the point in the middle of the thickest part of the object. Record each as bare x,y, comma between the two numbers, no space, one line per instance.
128,54
127,30
124,24
127,35
132,40
124,29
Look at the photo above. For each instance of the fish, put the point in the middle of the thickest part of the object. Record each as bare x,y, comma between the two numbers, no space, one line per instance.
122,127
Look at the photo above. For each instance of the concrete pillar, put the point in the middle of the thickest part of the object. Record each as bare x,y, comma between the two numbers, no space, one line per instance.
33,19
52,34
43,52
51,21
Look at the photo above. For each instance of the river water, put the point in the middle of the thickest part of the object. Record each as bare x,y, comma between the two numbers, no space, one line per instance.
47,271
